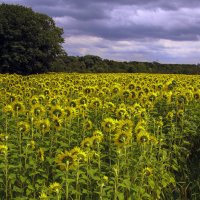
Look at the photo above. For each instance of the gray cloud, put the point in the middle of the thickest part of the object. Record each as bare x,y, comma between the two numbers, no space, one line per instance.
113,26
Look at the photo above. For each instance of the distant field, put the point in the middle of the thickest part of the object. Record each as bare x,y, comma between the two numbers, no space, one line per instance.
99,136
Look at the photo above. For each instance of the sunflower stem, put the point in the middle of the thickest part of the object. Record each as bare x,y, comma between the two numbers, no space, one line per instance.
66,182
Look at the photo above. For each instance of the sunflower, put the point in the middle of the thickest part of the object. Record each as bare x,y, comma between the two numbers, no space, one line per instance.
152,96
97,133
153,140
182,99
87,125
109,106
43,125
43,196
3,149
8,110
96,140
11,98
32,143
180,113
170,115
46,92
73,103
115,90
23,127
87,90
41,98
147,171
131,86
34,100
80,154
196,95
57,123
108,124
121,113
142,137
37,110
54,101
122,138
95,103
159,122
86,143
125,125
3,137
83,100
70,112
133,95
18,107
125,94
57,111
137,107
55,187
141,125
66,161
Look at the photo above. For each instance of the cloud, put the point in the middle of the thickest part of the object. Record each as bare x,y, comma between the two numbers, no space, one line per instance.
127,29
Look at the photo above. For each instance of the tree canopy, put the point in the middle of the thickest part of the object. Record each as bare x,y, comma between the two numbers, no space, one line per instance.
29,41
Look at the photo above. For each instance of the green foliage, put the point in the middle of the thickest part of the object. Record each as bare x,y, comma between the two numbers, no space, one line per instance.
92,63
29,41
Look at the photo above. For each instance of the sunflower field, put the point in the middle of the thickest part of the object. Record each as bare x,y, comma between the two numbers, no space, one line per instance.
99,136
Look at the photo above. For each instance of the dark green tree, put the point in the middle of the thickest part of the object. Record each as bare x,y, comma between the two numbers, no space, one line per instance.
29,41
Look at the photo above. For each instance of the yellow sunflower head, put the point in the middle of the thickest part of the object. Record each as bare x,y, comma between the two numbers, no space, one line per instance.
122,138
34,100
108,125
109,106
87,125
37,110
97,133
8,110
3,137
125,125
131,86
196,95
180,113
153,140
55,187
86,143
57,111
23,127
66,161
95,141
43,196
11,98
95,103
70,112
126,94
80,154
83,100
18,107
143,137
3,149
57,123
121,113
147,171
43,125
73,103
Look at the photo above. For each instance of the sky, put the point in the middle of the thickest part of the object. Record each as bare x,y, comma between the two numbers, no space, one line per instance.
126,30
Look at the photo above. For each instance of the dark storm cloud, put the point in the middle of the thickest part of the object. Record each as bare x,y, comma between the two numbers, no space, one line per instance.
158,27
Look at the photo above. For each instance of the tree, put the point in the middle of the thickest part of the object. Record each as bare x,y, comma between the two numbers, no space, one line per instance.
29,41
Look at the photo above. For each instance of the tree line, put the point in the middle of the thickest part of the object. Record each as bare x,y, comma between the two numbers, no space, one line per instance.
92,63
31,43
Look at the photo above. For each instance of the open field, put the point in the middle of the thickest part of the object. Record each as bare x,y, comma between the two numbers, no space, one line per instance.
100,136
